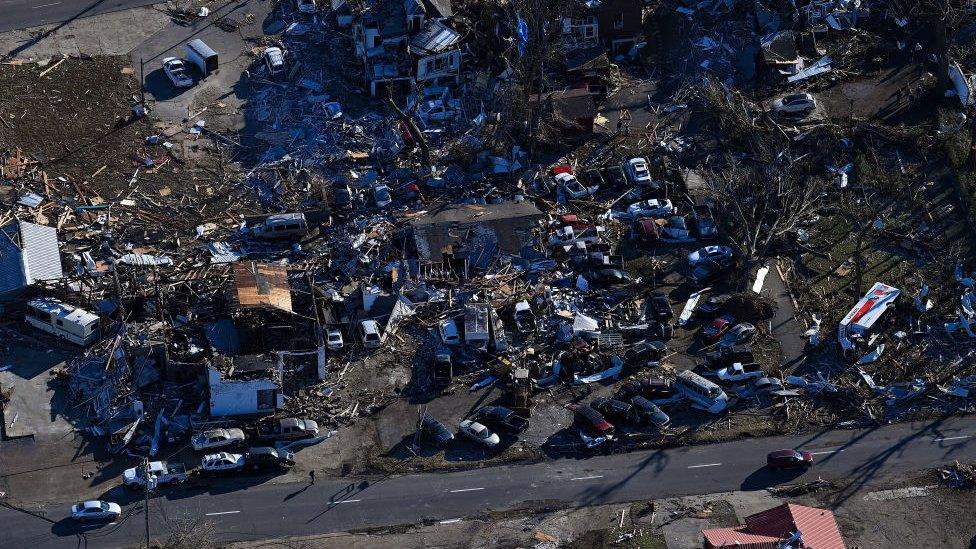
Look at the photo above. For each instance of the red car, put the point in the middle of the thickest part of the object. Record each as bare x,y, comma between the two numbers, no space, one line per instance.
714,331
789,459
589,420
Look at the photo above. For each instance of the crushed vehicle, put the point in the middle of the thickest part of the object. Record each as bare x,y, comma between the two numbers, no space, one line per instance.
740,333
590,421
217,438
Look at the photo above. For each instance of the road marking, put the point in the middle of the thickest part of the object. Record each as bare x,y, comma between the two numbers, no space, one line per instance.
825,452
450,521
346,501
466,490
952,438
587,478
704,465
45,5
222,513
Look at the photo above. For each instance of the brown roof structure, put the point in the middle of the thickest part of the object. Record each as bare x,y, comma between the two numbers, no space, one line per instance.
806,527
262,285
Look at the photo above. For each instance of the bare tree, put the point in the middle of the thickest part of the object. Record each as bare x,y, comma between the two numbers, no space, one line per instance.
761,204
945,18
189,533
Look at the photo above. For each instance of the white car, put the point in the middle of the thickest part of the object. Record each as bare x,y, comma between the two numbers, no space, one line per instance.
707,253
306,6
222,462
95,510
655,207
175,70
333,339
571,186
217,438
478,433
637,171
449,332
795,104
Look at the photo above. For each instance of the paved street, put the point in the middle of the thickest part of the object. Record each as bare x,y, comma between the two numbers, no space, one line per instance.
18,14
855,459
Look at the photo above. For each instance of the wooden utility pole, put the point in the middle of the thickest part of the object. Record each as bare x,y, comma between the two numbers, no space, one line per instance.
145,509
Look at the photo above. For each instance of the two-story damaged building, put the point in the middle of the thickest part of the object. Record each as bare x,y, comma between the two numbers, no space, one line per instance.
615,25
402,42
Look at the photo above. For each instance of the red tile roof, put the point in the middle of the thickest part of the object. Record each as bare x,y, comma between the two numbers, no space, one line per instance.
763,530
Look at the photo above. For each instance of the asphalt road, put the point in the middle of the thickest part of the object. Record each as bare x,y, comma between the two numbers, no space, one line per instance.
19,14
855,459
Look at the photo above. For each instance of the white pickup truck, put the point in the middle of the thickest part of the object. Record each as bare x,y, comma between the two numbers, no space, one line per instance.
161,471
740,372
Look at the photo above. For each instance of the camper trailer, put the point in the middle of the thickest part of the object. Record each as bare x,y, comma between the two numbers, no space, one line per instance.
64,321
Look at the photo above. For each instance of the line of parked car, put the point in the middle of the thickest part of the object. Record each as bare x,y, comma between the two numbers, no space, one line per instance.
478,427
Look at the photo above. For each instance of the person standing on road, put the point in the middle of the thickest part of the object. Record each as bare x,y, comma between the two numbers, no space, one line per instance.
311,476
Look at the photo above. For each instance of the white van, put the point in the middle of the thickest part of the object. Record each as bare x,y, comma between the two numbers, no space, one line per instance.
702,393
282,226
69,323
201,55
369,332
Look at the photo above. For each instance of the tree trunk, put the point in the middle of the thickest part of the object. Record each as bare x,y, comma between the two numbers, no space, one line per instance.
414,130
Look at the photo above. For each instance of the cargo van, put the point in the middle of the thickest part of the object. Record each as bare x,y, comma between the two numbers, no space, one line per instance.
64,321
369,333
201,55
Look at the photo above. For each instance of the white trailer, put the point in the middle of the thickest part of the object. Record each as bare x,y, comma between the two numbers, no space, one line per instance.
64,321
866,312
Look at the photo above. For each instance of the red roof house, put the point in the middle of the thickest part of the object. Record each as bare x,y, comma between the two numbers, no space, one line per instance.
804,527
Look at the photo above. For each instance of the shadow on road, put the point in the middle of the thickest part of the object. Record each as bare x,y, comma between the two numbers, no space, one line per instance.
764,477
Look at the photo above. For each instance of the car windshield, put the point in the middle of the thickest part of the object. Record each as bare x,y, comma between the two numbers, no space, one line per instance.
798,456
480,431
104,506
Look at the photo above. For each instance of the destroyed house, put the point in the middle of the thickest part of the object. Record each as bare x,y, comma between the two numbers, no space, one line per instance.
571,111
788,525
263,315
402,42
241,397
28,253
475,234
615,25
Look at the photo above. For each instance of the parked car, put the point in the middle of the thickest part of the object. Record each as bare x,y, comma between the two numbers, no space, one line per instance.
637,171
95,510
478,433
788,459
650,388
369,334
647,350
654,207
738,372
217,438
799,103
333,339
613,409
709,270
648,412
740,333
435,431
266,457
222,462
725,356
381,196
443,368
163,473
609,277
501,418
590,421
175,70
704,222
289,428
714,331
306,6
274,60
571,186
449,332
659,307
709,253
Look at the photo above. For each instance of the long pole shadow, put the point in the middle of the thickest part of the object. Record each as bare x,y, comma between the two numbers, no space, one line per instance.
35,40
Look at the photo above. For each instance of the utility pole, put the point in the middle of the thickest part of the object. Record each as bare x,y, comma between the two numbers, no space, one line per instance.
145,508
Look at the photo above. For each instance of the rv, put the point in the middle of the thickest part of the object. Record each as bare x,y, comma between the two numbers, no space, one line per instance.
286,225
69,323
201,55
498,336
476,324
703,394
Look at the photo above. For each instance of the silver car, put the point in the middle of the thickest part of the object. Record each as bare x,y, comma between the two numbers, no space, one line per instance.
478,433
175,70
217,438
95,510
800,103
